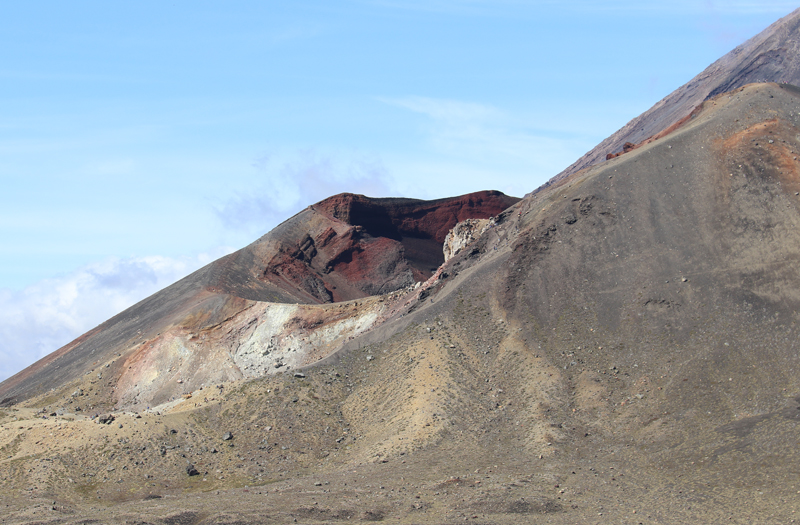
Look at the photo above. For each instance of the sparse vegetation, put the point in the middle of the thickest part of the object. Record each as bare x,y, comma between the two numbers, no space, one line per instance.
621,347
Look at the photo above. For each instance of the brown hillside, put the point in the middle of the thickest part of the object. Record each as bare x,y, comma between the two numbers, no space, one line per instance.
620,347
191,333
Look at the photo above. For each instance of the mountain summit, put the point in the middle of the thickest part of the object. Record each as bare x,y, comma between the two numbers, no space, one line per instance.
771,56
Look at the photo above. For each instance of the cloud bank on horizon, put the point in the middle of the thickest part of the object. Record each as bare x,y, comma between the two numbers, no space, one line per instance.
43,317
137,138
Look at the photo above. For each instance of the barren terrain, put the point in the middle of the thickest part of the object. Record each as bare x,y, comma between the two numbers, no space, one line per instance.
620,347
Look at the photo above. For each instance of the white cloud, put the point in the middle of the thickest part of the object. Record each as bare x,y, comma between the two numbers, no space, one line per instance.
49,314
290,185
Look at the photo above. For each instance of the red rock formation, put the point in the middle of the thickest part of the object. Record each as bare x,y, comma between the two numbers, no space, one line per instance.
628,146
395,218
353,246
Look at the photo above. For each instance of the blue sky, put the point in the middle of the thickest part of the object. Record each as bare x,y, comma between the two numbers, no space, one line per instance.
139,141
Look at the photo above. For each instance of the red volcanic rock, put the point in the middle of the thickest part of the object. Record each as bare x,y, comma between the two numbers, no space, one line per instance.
414,218
627,147
352,245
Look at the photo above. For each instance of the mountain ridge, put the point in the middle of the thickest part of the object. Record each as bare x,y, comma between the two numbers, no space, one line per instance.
771,56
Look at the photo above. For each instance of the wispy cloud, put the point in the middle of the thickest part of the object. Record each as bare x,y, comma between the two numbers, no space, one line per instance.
49,314
448,110
290,185
512,153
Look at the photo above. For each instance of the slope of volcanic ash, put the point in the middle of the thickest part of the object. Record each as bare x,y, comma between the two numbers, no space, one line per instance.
626,340
771,56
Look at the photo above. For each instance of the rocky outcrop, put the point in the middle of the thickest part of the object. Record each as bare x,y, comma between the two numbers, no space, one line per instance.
259,339
626,148
463,234
354,246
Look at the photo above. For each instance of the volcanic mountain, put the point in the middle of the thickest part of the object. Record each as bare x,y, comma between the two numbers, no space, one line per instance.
620,346
624,340
771,56
206,327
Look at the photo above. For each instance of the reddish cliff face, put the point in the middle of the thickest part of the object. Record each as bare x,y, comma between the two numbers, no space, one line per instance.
352,246
345,247
411,218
